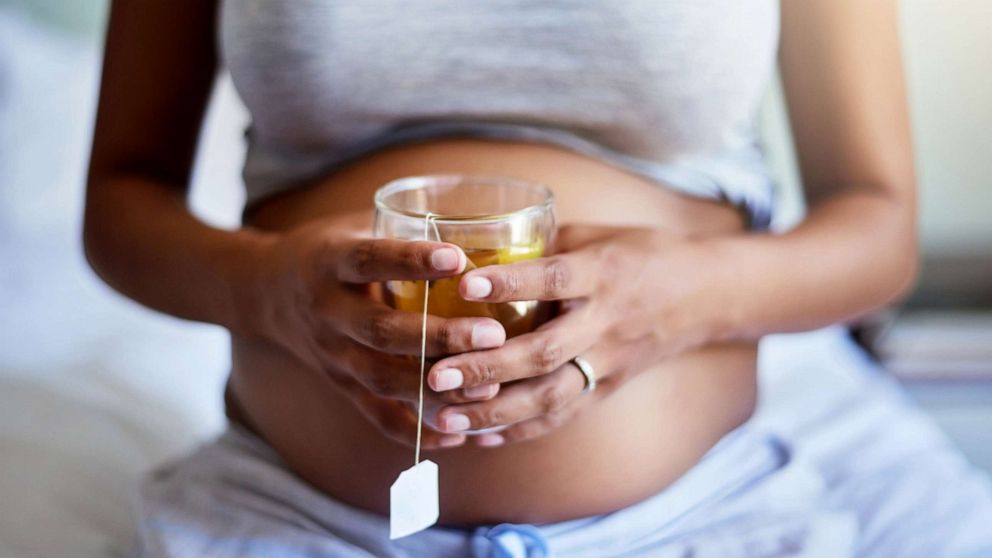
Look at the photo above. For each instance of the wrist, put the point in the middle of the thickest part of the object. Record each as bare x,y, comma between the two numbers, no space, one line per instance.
721,280
249,282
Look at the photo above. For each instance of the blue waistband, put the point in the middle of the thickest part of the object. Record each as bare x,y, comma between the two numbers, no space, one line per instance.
740,459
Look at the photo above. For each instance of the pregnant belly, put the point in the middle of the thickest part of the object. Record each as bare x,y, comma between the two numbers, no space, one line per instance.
619,451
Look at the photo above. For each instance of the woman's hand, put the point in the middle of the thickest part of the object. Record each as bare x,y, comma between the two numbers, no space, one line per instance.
313,299
633,297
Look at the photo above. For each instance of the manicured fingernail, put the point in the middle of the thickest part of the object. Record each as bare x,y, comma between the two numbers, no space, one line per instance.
490,440
487,336
444,259
480,392
449,378
451,440
478,287
455,423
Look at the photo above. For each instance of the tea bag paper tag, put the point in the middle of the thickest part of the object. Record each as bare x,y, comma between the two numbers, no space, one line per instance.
413,500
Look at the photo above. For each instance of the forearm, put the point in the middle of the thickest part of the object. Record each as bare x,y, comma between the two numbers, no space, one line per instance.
855,252
143,241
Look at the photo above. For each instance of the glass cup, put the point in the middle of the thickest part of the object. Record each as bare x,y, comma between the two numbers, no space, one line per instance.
494,220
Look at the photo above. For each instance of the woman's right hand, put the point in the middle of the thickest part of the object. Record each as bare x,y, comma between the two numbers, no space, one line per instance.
313,298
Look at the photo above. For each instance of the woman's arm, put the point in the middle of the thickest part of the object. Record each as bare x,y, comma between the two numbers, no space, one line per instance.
302,289
856,249
644,295
159,68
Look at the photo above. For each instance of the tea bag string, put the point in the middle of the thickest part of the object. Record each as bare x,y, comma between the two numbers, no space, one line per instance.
429,223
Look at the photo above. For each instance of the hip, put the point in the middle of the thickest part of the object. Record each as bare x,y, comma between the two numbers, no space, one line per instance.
730,504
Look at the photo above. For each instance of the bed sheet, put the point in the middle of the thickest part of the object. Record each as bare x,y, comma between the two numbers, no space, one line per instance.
94,389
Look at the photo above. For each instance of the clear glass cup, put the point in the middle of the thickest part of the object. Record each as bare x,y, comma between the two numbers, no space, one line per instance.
494,220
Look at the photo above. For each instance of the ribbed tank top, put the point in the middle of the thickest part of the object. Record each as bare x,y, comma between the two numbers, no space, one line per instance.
665,89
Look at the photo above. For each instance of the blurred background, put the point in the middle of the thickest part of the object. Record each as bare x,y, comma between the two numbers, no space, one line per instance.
95,389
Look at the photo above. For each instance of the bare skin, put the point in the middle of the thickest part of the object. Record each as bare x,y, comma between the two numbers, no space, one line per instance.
672,331
308,420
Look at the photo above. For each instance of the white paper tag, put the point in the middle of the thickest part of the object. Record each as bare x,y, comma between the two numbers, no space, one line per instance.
413,500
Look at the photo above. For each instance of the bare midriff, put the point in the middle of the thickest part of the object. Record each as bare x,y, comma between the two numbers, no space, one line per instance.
618,451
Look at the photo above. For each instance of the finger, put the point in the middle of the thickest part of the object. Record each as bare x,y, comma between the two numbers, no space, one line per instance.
532,354
517,402
386,376
396,420
564,276
367,260
478,393
392,376
380,327
611,363
532,428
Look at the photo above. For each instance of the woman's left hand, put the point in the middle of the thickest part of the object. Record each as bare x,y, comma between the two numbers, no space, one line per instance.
632,297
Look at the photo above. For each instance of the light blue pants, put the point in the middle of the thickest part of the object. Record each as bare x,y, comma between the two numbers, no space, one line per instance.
853,471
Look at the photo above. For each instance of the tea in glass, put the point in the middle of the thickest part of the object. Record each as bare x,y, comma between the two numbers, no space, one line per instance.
493,220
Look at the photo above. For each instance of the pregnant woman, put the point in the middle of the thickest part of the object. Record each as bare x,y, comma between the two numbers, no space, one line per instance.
640,116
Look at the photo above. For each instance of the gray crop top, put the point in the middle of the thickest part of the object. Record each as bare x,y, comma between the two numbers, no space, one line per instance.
663,88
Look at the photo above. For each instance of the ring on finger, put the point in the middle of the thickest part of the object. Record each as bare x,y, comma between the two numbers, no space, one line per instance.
587,372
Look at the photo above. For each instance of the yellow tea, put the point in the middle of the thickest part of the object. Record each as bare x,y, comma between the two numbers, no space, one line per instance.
444,300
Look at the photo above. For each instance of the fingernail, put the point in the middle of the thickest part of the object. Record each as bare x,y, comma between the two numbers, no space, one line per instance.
480,392
478,287
487,336
449,378
455,423
490,440
451,441
444,259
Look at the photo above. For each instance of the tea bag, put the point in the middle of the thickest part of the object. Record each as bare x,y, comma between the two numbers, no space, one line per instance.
413,500
413,497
